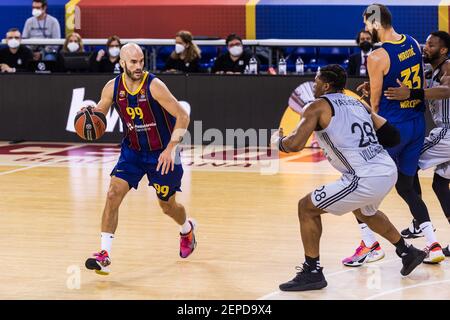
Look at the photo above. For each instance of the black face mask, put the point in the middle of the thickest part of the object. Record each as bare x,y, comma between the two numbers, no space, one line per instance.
365,46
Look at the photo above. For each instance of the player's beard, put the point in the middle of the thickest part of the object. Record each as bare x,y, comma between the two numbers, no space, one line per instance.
427,58
375,36
132,75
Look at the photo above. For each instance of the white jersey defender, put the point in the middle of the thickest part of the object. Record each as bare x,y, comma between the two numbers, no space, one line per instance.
351,146
436,149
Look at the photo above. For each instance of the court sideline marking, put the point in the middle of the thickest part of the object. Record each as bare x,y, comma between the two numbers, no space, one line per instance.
424,284
40,164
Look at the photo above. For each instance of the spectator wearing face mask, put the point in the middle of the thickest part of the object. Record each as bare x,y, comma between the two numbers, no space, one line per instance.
15,57
365,43
186,55
42,26
108,61
235,60
72,45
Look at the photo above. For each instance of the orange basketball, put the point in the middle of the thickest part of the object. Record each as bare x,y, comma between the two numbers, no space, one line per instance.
90,124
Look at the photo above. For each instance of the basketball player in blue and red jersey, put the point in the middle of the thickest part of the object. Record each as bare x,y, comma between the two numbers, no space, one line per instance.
154,124
400,58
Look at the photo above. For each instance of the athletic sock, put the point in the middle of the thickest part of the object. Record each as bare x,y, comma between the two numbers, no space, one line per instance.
368,236
428,232
107,239
401,247
313,263
185,227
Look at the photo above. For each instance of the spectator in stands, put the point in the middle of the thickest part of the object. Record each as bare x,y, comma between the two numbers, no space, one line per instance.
365,43
15,57
186,56
108,62
72,45
42,26
235,60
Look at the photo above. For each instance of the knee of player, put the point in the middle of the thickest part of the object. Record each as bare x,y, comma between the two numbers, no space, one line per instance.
167,207
303,207
113,193
403,187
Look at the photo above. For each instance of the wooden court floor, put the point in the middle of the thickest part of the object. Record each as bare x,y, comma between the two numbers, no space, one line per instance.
248,235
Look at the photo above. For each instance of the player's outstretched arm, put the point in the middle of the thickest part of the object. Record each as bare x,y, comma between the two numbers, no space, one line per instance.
388,136
296,141
106,99
402,92
377,63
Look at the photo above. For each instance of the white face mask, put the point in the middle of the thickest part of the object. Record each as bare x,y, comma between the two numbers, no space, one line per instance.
236,51
36,12
13,43
73,46
114,51
179,48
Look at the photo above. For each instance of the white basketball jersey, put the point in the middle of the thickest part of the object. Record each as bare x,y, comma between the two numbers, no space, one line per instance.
350,142
440,109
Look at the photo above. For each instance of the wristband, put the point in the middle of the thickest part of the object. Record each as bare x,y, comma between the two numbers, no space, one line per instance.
280,145
417,94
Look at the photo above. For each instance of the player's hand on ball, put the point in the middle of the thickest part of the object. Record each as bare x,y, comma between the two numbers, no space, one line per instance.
399,93
90,109
166,160
364,88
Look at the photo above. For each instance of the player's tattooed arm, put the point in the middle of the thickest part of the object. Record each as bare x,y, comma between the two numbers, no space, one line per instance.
377,66
311,117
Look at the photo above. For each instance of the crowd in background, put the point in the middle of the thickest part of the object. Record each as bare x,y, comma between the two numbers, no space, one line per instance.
185,56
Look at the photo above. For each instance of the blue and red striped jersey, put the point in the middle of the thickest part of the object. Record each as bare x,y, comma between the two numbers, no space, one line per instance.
147,125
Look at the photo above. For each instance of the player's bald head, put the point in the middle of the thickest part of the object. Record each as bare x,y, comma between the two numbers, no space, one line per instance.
130,50
132,61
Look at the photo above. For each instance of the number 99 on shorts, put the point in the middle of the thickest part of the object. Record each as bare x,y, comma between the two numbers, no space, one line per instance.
161,190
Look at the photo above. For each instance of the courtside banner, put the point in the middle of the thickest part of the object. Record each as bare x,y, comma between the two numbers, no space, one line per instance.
37,107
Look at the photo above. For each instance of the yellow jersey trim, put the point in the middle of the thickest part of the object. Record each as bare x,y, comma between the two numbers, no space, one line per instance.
140,86
399,41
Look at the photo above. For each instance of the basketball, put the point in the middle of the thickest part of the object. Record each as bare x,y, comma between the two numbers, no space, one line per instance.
90,124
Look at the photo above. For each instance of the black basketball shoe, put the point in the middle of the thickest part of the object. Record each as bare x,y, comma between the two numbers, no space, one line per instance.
413,231
446,251
411,259
305,280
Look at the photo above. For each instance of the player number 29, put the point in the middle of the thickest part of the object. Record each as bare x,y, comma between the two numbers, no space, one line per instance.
133,112
164,190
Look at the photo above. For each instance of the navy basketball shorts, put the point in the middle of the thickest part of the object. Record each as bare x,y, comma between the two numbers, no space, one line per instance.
133,165
406,155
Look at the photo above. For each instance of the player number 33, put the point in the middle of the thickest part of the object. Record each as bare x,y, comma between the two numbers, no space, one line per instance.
415,82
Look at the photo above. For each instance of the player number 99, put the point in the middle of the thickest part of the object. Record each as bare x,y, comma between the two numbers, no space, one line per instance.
164,190
133,112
